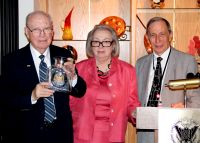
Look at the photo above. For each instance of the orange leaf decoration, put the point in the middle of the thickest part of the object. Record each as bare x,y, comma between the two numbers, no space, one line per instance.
67,31
197,44
191,47
147,45
68,19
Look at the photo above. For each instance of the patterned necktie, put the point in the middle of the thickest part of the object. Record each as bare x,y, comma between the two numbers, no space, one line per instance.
50,112
156,86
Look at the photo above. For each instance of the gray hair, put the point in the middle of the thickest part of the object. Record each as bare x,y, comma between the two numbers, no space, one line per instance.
155,19
116,47
38,13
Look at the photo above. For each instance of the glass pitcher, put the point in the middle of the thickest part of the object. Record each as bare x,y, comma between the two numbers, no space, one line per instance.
59,76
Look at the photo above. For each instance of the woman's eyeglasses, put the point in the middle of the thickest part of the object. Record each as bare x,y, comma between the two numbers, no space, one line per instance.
103,43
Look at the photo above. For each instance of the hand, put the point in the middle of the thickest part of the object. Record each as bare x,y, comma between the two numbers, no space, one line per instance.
177,105
42,90
133,114
69,68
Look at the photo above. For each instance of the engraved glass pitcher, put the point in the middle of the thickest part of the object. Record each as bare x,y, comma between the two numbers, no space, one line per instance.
59,76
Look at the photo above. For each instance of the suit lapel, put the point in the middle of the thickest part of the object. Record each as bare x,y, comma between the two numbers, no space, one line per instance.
29,65
145,72
92,71
169,74
52,54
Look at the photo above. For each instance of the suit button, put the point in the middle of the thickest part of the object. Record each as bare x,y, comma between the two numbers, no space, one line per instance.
112,110
111,124
114,96
110,84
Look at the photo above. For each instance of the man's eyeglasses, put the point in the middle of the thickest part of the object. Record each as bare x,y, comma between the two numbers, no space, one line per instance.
103,43
37,31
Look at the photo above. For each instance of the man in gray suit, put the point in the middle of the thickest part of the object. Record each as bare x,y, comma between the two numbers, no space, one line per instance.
175,65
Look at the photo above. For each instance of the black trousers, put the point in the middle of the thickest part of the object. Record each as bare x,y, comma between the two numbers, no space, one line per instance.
48,133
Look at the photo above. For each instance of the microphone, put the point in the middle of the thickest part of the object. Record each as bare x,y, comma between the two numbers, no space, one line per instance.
197,75
183,84
190,75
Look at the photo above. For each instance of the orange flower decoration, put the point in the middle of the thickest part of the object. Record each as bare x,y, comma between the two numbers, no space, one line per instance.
194,46
117,23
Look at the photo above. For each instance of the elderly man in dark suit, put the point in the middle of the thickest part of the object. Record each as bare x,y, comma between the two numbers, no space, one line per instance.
23,92
174,65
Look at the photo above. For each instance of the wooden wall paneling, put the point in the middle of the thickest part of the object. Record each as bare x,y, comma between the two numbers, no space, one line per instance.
40,5
186,4
101,9
140,32
131,136
187,25
143,3
133,18
147,4
124,51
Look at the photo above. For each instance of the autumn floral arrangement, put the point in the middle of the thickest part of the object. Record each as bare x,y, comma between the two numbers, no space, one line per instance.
194,48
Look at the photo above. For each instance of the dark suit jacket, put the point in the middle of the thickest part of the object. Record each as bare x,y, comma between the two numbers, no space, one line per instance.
25,120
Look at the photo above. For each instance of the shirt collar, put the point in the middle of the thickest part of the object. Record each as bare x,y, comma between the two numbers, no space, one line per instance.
164,56
37,54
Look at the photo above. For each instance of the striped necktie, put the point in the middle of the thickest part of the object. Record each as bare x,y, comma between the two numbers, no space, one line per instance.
156,85
50,111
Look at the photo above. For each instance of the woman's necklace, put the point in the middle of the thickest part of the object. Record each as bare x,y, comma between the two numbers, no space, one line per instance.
105,72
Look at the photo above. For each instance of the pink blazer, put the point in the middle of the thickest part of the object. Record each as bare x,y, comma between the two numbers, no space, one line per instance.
123,86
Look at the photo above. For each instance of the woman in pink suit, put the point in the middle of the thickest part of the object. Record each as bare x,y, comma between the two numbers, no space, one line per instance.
111,98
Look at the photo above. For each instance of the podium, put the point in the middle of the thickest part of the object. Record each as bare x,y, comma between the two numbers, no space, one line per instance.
175,125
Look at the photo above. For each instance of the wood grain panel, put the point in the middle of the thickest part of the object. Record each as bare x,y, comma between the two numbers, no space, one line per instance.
186,4
131,134
187,25
101,9
147,3
40,5
133,14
